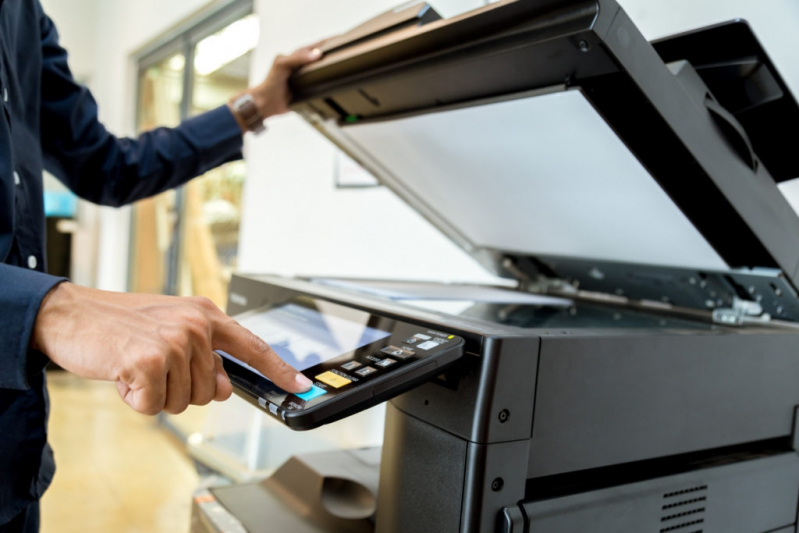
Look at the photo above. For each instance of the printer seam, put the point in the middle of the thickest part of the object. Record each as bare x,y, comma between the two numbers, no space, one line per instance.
537,380
469,441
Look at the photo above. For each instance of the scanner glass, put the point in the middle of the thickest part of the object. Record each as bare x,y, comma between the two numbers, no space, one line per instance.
536,175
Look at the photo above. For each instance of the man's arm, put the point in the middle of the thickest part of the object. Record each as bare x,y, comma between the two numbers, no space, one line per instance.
21,292
107,170
159,350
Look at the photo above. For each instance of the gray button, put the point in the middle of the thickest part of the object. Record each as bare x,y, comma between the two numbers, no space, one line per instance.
365,371
5,94
32,262
397,352
17,181
385,363
352,365
429,345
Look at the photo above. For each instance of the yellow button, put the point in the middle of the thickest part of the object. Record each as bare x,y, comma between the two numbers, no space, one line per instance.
334,380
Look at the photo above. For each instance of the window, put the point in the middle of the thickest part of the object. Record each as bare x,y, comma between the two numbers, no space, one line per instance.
185,242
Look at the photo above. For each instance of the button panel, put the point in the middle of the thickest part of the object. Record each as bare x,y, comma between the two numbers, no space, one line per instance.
378,367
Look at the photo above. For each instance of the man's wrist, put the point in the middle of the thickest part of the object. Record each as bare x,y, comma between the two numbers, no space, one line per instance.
261,102
53,304
249,108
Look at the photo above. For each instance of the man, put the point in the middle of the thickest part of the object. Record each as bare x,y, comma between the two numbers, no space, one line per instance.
159,350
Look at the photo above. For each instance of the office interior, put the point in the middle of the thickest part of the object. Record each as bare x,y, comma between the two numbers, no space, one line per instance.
299,206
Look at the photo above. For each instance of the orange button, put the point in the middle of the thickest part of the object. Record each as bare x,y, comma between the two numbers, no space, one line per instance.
334,380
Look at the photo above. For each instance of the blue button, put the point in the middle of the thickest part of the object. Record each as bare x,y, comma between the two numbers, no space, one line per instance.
315,392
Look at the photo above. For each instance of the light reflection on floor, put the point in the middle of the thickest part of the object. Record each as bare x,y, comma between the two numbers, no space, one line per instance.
116,470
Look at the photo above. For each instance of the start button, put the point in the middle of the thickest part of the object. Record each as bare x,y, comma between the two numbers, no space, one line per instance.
334,380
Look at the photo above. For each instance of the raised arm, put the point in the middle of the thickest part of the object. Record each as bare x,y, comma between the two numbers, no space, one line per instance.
107,170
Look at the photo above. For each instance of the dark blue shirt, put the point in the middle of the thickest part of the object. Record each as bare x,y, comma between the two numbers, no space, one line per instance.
50,121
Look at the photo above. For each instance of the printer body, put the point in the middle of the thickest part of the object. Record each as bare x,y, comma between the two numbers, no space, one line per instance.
638,182
586,417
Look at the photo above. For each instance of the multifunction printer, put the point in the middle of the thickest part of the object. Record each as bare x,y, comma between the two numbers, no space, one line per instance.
642,374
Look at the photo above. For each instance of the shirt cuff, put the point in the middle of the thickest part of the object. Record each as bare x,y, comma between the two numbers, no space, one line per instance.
21,295
217,135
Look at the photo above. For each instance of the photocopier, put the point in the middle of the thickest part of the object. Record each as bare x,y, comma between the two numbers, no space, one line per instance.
643,374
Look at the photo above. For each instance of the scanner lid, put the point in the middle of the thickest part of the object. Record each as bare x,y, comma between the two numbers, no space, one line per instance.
551,141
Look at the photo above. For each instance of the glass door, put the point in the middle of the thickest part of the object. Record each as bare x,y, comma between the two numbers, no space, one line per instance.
185,242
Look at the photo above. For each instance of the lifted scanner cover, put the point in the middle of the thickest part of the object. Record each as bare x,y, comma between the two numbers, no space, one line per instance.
556,143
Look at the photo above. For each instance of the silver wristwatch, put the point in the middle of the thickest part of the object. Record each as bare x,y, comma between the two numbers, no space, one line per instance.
244,106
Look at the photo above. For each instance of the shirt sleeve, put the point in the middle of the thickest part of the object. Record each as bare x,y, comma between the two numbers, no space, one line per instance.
21,294
104,169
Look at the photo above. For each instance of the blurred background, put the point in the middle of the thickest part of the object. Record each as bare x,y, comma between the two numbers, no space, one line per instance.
294,206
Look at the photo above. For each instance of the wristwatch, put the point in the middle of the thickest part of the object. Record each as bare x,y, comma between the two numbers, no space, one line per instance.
244,106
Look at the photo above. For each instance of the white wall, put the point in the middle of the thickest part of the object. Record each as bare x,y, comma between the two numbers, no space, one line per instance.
295,221
76,21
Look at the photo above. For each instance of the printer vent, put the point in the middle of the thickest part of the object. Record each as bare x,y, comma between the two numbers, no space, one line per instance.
684,510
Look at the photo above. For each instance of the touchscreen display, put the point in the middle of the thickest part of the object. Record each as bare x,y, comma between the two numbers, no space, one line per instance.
306,335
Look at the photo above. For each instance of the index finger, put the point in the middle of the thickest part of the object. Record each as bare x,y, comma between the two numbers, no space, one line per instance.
233,338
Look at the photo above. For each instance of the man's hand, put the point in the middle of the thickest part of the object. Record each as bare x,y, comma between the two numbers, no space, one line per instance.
158,349
273,96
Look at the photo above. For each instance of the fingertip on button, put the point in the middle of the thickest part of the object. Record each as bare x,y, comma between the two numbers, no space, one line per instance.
304,382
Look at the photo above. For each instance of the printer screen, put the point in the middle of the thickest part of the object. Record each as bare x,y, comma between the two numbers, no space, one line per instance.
305,333
536,175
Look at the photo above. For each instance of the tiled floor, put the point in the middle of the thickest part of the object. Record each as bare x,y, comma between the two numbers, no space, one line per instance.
117,470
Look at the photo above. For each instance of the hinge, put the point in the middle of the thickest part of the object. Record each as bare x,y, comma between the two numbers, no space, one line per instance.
539,284
742,312
554,287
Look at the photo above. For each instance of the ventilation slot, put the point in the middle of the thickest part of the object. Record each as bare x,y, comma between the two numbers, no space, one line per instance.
686,502
684,525
680,515
686,491
683,510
